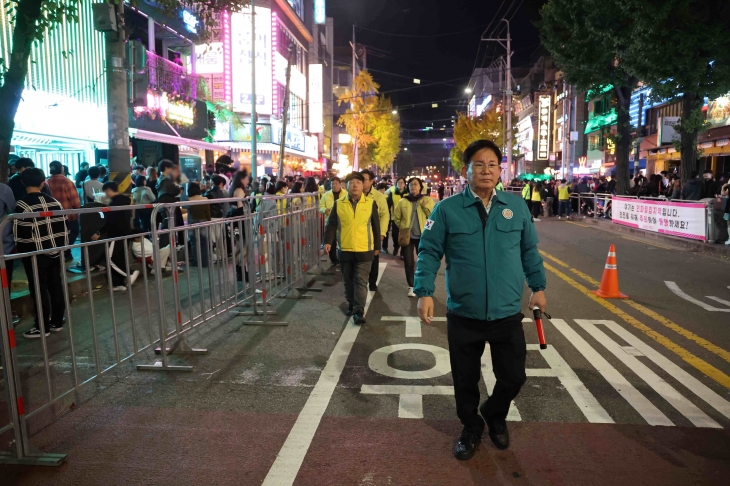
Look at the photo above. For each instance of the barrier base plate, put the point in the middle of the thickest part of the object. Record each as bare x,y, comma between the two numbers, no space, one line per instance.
262,323
252,313
158,367
41,460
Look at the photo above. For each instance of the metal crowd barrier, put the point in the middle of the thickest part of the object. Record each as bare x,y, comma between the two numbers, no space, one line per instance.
274,250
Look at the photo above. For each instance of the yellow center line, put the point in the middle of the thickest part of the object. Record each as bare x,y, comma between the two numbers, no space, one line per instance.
578,224
687,356
723,353
647,243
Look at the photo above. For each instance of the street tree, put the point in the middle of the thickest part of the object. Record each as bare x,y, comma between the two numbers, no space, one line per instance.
369,120
682,51
590,41
30,20
468,129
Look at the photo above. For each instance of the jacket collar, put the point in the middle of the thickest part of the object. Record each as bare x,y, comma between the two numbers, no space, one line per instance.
470,198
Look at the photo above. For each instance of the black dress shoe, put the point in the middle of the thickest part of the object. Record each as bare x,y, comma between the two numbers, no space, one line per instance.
466,445
497,429
358,318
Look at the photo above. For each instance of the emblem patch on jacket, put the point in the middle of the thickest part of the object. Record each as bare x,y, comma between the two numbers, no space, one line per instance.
429,224
507,213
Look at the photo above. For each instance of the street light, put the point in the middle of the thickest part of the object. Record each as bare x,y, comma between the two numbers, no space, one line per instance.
395,112
468,91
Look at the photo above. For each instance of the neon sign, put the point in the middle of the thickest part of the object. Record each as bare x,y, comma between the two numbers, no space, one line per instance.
543,128
319,12
190,21
160,105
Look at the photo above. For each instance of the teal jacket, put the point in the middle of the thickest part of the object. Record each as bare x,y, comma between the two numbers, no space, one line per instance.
486,264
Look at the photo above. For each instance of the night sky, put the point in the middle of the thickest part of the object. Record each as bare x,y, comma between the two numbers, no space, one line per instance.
445,58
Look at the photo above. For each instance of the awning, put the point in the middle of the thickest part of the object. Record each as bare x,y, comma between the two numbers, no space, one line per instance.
264,148
172,139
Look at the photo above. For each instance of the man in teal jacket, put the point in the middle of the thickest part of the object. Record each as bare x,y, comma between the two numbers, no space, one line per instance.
490,245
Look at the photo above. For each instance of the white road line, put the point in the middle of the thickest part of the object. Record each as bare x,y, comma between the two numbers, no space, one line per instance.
407,389
513,415
718,299
689,381
541,372
641,404
413,324
582,397
680,293
677,400
410,406
289,460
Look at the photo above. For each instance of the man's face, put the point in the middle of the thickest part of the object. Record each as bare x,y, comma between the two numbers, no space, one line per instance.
483,170
336,186
109,193
355,188
367,184
401,185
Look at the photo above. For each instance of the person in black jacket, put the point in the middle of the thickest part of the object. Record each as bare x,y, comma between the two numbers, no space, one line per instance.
168,191
117,224
693,188
16,183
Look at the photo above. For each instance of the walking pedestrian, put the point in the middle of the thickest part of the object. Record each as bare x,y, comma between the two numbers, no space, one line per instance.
536,200
382,203
42,234
64,191
325,207
410,216
355,224
395,194
490,245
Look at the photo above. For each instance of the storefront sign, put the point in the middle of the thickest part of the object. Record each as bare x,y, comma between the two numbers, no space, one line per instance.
159,105
543,128
667,132
297,82
294,136
718,111
319,12
243,134
706,145
190,21
686,220
311,147
242,58
722,142
316,112
209,58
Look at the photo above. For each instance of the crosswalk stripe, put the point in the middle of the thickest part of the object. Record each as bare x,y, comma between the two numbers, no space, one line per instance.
641,404
689,381
669,393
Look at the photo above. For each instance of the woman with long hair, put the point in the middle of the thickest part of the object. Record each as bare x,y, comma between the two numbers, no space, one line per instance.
152,178
395,194
410,216
239,186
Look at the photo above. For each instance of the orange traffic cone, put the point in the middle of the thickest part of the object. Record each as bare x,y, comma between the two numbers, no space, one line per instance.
609,283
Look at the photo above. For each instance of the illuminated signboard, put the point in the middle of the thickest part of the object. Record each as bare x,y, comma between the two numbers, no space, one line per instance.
319,14
209,58
297,81
316,112
160,105
543,127
294,136
190,21
241,58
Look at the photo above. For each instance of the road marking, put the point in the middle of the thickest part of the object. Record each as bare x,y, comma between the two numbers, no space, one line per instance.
513,415
410,400
667,391
689,381
641,404
718,299
410,405
647,243
289,460
723,353
578,224
681,293
413,324
690,358
378,361
582,397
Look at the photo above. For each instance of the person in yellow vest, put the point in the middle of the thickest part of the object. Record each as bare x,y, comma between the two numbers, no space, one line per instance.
410,216
382,203
526,194
564,199
326,203
499,185
536,200
354,224
393,197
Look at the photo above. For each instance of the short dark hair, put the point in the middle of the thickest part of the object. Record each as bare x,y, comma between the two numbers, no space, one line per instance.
84,164
382,185
354,175
110,185
164,165
140,181
218,180
193,189
280,185
33,177
369,173
475,147
55,167
420,182
102,170
289,179
335,179
94,172
24,163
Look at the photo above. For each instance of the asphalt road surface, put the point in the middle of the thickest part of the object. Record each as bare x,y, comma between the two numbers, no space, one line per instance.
629,392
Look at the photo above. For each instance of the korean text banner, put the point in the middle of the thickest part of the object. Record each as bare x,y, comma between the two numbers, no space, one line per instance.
686,220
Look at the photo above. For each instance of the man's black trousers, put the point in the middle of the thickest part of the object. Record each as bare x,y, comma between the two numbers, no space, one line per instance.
467,338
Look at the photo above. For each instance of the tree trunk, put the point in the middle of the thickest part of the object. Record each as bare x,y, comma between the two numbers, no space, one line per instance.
623,140
688,134
28,12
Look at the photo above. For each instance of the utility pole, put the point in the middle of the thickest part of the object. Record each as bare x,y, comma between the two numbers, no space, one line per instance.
508,92
117,96
285,115
254,162
639,136
355,159
572,95
566,132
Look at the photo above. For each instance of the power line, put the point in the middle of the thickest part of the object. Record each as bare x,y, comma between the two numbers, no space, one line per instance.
416,36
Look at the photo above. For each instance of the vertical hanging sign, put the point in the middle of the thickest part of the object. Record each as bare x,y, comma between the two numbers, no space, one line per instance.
319,12
543,128
316,112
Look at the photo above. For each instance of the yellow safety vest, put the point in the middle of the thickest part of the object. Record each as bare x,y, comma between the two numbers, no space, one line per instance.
536,195
280,203
355,232
526,192
328,201
563,192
